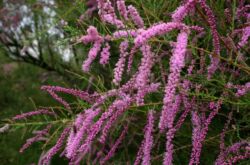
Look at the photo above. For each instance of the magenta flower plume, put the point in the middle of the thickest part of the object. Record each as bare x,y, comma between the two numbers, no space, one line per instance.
105,54
177,62
114,147
113,20
57,146
39,136
172,111
168,158
135,16
122,9
147,143
79,119
123,106
125,33
77,93
234,153
68,147
155,30
200,129
92,36
180,13
216,41
139,154
242,90
59,99
95,129
75,141
81,94
196,121
107,14
118,71
144,71
33,113
148,138
91,56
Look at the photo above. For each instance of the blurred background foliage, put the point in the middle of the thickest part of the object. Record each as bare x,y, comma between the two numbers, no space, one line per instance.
34,55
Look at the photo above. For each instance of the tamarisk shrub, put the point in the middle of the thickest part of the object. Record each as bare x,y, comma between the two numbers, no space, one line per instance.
185,92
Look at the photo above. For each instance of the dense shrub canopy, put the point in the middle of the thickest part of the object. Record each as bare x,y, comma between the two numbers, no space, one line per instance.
163,80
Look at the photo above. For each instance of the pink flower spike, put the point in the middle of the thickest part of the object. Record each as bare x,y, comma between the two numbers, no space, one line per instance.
155,30
92,35
245,36
118,71
147,143
76,140
39,135
121,108
33,113
135,16
105,54
148,138
177,62
121,6
57,146
180,13
114,147
91,56
59,99
107,14
77,93
216,41
125,34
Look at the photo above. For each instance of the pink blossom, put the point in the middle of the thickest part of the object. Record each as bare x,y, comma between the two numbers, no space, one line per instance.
148,139
147,143
57,146
180,13
133,13
121,6
176,64
105,54
59,99
155,30
125,33
91,56
92,35
33,113
123,106
107,14
200,129
118,71
96,128
77,93
216,41
38,137
144,71
245,36
114,147
76,140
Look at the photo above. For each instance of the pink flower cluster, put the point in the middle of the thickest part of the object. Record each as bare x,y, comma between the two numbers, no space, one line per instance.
94,125
34,113
147,143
